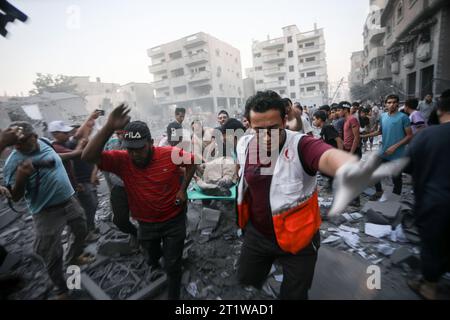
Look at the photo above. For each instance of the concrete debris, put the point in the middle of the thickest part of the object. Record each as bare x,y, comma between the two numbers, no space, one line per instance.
349,229
376,218
350,239
388,209
115,248
331,239
398,235
209,219
7,217
404,255
9,262
377,231
350,217
9,232
385,249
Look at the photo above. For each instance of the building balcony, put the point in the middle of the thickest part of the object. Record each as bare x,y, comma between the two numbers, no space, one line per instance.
178,81
376,34
378,74
162,99
376,52
275,84
408,60
273,44
198,58
161,84
155,52
312,64
309,94
274,57
158,68
315,79
195,40
305,36
199,78
310,50
274,71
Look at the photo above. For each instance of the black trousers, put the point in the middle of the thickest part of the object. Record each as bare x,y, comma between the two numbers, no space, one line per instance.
121,211
258,254
434,231
171,235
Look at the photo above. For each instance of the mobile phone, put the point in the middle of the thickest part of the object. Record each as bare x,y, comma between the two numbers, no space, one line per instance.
102,112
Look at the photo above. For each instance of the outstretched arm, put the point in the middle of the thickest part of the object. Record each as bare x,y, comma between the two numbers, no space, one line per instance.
118,119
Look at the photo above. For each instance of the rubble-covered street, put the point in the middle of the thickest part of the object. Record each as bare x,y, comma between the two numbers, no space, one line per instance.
375,234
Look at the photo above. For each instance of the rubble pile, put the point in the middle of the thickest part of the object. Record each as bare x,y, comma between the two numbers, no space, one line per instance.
378,233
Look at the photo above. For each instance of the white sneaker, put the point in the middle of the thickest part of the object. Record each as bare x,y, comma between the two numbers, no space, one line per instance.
383,198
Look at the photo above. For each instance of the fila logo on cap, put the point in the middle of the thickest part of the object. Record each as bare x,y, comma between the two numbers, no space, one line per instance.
132,135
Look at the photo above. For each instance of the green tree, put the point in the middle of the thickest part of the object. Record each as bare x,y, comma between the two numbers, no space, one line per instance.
51,83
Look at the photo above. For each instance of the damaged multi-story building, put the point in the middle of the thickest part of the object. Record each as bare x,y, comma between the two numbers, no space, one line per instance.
293,65
417,43
406,49
197,72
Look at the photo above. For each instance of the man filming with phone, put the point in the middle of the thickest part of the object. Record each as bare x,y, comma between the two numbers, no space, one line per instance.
35,171
155,188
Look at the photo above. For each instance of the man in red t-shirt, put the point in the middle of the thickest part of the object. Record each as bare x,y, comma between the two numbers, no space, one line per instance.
351,130
155,187
352,140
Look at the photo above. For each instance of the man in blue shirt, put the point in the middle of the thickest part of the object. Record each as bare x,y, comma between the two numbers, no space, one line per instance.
36,172
395,128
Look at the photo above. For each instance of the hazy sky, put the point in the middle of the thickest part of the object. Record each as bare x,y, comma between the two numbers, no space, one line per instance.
110,38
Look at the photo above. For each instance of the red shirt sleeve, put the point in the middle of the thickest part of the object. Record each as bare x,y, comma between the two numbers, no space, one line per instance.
310,151
113,161
354,123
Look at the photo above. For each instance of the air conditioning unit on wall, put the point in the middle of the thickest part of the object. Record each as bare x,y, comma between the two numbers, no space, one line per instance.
395,67
408,60
424,52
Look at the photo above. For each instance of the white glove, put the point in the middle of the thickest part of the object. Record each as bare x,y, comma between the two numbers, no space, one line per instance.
353,178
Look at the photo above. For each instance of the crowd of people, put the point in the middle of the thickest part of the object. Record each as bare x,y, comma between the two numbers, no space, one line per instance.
276,156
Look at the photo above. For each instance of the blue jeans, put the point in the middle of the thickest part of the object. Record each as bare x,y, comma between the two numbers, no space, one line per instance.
171,234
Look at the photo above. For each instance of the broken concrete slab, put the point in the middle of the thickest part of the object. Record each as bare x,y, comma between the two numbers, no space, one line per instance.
209,219
348,229
376,218
9,262
352,217
404,255
7,216
93,289
388,209
331,239
114,248
377,231
385,249
150,290
342,276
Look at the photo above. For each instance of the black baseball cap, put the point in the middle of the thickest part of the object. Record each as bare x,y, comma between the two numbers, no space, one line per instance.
135,135
344,105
